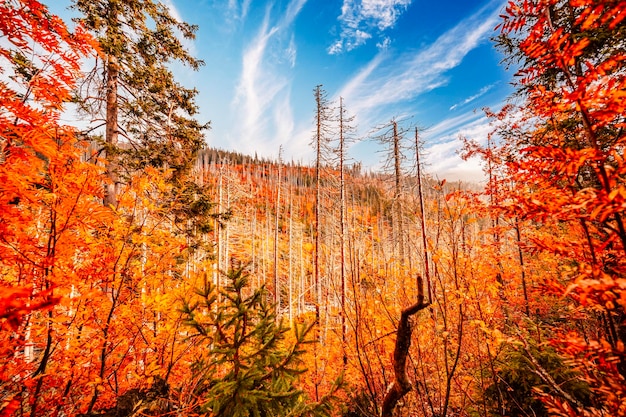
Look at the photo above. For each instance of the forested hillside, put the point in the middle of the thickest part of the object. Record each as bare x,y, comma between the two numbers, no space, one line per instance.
144,273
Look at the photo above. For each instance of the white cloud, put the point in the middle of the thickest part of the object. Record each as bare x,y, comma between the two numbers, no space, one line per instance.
384,44
351,88
239,11
452,125
255,90
291,51
262,99
395,79
480,93
442,156
443,161
335,48
359,38
359,18
293,9
283,120
383,12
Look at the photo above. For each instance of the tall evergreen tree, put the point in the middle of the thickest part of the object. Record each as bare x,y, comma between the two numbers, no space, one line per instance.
132,92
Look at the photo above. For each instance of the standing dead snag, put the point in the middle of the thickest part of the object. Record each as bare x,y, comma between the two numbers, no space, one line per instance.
401,385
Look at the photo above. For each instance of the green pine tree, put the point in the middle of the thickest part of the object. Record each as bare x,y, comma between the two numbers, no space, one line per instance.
249,369
148,117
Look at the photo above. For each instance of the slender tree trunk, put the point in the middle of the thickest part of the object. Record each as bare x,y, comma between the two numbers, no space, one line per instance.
423,218
276,225
318,161
342,226
40,372
226,228
112,107
520,254
218,234
290,277
398,227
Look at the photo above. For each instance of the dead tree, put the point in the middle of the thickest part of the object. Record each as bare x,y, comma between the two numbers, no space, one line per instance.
401,384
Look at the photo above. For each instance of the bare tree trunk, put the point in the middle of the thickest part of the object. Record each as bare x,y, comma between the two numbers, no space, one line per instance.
290,274
401,384
318,166
276,225
218,233
398,226
342,232
423,220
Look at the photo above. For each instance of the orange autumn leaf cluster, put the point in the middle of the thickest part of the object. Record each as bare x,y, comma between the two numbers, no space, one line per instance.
562,164
90,295
47,195
31,93
79,282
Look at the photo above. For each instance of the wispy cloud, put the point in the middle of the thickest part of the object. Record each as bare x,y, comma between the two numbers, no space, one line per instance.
442,155
481,93
359,19
293,9
384,43
239,10
291,51
262,95
451,126
283,119
391,79
255,89
351,88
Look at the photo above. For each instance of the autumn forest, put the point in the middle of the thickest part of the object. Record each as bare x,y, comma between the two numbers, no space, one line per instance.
144,273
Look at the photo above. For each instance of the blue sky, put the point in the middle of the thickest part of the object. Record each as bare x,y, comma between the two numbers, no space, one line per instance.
428,61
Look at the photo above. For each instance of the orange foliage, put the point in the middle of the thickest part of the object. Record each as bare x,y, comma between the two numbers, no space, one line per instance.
48,201
564,156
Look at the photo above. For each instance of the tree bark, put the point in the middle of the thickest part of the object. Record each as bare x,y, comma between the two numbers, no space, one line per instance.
342,226
423,217
276,234
398,225
112,107
111,132
401,384
319,100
